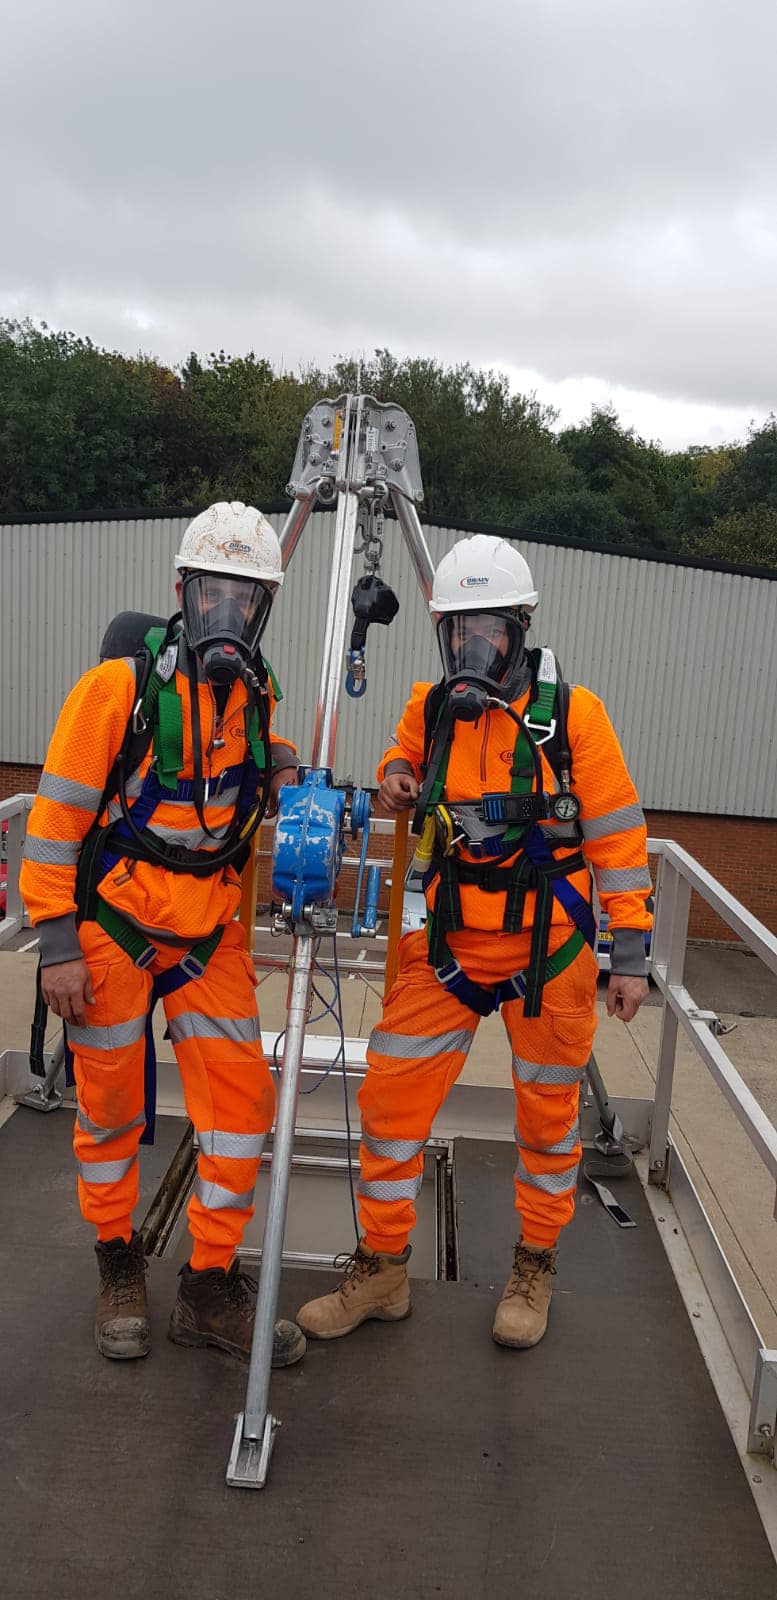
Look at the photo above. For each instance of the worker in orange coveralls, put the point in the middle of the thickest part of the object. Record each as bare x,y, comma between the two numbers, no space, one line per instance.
159,768
520,789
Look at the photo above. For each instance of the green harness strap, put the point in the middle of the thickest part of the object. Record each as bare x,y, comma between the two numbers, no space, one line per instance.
162,710
140,949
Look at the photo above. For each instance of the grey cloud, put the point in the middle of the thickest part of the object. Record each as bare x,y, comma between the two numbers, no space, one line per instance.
580,190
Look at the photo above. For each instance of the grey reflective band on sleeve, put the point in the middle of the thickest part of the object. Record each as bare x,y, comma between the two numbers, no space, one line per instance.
66,792
52,852
393,1149
609,880
546,1073
194,1025
232,1146
620,821
214,1197
115,1037
105,1171
406,1046
388,1189
548,1182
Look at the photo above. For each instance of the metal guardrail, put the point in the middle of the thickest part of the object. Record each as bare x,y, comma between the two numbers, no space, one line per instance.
14,813
678,875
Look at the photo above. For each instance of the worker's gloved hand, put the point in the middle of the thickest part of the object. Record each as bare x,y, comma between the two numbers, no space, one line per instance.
67,990
625,996
279,779
398,792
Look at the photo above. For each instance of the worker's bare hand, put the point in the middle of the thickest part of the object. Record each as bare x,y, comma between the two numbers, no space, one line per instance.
398,792
625,996
67,990
283,776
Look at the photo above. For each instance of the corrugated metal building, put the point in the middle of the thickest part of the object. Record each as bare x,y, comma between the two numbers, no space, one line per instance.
684,657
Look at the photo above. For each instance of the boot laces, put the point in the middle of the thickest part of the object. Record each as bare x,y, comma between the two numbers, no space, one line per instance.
242,1289
355,1267
528,1268
123,1273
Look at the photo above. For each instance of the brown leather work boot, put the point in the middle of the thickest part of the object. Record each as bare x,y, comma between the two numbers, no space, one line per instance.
522,1314
218,1307
374,1285
121,1326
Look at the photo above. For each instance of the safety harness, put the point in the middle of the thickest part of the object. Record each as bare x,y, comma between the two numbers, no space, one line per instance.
521,859
157,719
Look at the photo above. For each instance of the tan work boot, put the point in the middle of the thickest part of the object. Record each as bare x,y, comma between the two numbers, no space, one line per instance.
522,1314
218,1307
375,1285
121,1327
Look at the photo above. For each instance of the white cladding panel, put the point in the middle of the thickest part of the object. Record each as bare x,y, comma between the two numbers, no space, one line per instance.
685,659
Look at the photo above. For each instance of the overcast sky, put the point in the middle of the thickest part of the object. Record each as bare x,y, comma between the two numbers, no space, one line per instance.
581,193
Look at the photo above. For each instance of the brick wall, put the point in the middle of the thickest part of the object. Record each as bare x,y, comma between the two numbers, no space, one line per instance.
17,779
741,853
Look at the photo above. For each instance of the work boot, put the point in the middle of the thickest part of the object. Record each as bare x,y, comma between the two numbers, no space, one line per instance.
522,1314
218,1307
121,1327
375,1285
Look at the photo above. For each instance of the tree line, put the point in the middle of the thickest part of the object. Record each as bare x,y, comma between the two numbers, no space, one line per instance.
86,430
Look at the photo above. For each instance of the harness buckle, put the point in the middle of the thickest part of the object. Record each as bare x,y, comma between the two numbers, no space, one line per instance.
446,974
518,985
139,724
547,730
191,966
146,957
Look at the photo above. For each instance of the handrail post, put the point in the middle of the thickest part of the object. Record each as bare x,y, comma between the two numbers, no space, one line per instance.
673,903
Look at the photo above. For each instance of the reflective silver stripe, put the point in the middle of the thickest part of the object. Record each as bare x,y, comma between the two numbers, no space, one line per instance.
548,1182
545,1072
404,1046
610,879
115,1037
101,1135
52,852
393,1149
563,1147
390,1189
235,1146
69,793
619,821
190,838
193,1025
105,1171
214,1197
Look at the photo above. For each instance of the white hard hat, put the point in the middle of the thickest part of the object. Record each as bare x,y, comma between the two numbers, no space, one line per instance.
234,538
482,574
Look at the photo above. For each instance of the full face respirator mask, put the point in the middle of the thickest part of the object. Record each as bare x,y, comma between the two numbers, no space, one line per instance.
223,621
482,656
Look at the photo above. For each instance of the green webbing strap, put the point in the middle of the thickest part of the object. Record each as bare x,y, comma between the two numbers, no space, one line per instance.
254,740
276,688
140,949
564,956
168,744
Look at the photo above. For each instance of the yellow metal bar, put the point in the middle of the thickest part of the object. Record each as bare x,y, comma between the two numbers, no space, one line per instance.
398,868
248,890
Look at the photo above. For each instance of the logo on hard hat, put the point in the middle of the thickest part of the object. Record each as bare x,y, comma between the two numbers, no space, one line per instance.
235,547
472,583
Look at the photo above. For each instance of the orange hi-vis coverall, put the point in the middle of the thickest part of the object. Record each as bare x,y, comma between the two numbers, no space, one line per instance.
212,1019
420,1045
